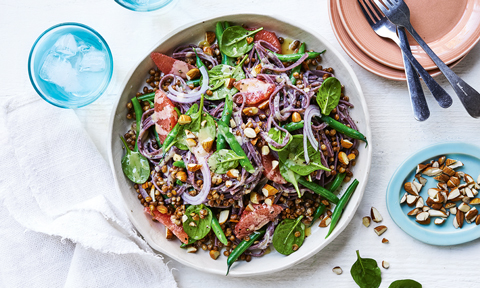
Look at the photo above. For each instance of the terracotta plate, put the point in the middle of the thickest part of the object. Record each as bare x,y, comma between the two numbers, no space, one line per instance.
450,28
360,57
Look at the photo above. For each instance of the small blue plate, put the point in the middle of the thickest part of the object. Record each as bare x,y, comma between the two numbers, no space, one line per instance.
445,234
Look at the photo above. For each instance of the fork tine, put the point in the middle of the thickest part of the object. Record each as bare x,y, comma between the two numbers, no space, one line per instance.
368,4
367,15
376,9
381,7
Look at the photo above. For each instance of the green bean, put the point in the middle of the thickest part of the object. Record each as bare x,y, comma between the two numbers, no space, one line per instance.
296,56
226,116
301,50
146,97
219,32
236,147
171,137
344,129
319,190
184,245
319,212
242,246
199,61
138,115
217,229
178,182
180,164
333,186
337,213
292,126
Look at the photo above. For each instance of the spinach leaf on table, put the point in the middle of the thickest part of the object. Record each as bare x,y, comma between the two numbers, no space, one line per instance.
201,227
366,273
293,157
284,237
234,41
223,160
328,95
406,283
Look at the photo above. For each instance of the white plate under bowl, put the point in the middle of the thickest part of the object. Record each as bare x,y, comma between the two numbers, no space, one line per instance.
153,232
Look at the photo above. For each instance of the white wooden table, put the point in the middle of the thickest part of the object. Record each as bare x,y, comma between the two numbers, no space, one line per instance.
395,133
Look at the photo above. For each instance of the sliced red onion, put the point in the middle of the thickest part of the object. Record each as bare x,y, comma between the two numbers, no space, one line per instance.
181,97
207,183
311,111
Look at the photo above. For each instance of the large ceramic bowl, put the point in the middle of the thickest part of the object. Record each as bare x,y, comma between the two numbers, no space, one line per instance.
153,232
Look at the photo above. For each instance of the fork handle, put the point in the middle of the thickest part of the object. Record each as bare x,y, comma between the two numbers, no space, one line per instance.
442,97
417,97
469,97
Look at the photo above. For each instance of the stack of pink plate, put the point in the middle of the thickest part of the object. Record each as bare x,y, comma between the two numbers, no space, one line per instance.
450,28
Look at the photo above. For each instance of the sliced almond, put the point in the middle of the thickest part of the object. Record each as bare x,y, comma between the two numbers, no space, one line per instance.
459,218
437,206
264,105
269,201
233,124
414,212
385,264
432,171
442,186
193,167
207,144
417,186
453,182
475,201
269,190
184,119
422,180
192,249
346,144
214,254
469,193
411,200
449,205
404,198
250,111
208,50
168,234
250,133
233,173
343,158
229,83
468,179
442,178
274,164
422,216
464,208
453,210
455,223
477,220
448,171
471,214
228,183
437,213
210,37
455,165
454,193
223,217
325,222
419,203
449,162
255,198
265,150
425,208
385,241
439,221
432,192
376,216
426,222
193,74
420,168
366,221
411,188
190,134
380,229
337,270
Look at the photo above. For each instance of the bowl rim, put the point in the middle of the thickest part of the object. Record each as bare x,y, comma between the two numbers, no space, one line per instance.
368,151
154,8
30,63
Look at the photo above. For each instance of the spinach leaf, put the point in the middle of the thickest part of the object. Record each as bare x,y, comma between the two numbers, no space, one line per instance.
293,157
277,136
366,273
135,165
180,139
290,176
223,160
328,95
284,239
218,76
200,227
406,283
234,41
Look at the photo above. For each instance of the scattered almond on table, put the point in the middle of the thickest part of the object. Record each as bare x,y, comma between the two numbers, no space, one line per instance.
455,194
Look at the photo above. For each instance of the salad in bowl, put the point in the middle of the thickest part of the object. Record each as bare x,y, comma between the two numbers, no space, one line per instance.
239,143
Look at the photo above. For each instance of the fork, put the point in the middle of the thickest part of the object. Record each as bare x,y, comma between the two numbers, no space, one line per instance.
385,28
397,12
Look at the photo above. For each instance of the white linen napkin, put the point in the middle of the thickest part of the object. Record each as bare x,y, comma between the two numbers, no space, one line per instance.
62,222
